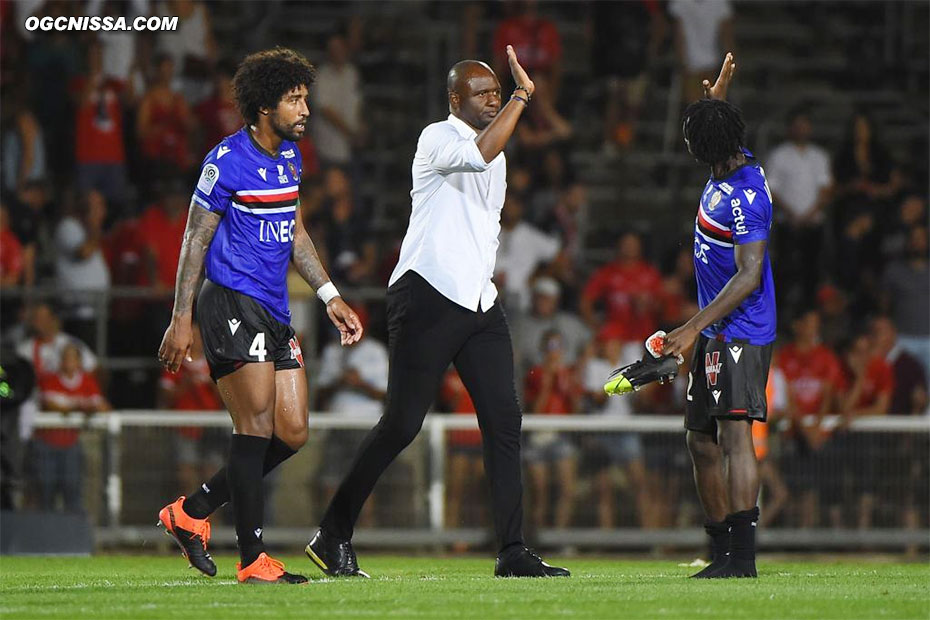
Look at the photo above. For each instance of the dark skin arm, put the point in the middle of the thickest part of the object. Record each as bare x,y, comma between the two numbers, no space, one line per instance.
749,259
176,344
492,140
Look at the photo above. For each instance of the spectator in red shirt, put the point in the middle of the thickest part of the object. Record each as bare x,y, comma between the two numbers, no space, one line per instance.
466,470
218,115
57,452
552,389
198,455
160,232
813,374
161,227
867,381
536,40
866,389
13,257
679,290
98,124
124,251
631,289
910,382
164,121
909,398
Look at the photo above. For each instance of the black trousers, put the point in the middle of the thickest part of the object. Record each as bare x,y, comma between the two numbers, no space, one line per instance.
427,332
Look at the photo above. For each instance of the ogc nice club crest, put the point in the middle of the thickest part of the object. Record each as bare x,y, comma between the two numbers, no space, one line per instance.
712,367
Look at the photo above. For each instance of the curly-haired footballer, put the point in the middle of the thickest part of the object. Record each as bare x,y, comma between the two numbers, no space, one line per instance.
243,229
733,333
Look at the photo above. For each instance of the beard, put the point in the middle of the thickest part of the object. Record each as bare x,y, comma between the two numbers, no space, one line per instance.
287,132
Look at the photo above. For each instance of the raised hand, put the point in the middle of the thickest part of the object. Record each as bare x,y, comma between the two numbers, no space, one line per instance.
345,320
520,77
719,89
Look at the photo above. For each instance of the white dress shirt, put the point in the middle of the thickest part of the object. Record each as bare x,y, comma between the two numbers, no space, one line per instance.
457,198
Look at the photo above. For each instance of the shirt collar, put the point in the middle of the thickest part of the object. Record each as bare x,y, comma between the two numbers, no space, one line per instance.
260,148
462,127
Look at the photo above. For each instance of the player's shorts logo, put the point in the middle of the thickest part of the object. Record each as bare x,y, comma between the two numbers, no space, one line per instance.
712,367
736,352
296,353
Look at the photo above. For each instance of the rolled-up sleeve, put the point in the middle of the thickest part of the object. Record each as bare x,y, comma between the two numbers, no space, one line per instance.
448,151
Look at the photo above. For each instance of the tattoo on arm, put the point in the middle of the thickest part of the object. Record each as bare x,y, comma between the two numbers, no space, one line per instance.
307,261
201,226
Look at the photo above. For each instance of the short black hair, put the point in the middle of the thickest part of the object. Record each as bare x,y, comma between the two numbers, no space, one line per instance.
802,110
714,129
264,77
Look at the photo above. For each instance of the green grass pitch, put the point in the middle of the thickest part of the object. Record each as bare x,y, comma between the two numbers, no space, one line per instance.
443,587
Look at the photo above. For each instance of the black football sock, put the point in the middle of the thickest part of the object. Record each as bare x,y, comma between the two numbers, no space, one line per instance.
743,534
215,492
741,561
244,472
719,533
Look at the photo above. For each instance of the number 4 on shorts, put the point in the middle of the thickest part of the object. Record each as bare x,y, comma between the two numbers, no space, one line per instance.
257,348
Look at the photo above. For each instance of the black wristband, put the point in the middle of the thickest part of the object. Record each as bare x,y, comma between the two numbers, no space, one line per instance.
524,89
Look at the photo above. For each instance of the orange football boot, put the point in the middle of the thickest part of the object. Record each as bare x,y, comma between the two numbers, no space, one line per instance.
266,569
191,535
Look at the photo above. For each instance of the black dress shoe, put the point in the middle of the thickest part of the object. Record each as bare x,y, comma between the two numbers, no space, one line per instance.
518,561
334,557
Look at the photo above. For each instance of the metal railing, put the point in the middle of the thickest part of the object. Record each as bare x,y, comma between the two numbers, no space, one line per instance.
125,466
102,301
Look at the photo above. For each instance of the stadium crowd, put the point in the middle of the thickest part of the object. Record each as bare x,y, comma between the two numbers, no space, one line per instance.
102,132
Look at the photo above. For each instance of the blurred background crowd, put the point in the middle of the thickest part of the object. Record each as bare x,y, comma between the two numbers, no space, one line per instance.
103,134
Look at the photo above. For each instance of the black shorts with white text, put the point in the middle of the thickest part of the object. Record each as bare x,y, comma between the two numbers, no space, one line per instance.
726,381
237,330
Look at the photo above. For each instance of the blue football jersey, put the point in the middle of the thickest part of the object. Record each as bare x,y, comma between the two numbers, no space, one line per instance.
256,195
734,210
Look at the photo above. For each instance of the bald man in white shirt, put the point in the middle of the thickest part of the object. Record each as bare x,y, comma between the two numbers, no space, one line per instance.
442,308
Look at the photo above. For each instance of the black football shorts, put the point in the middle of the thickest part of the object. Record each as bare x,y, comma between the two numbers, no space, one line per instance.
237,330
726,381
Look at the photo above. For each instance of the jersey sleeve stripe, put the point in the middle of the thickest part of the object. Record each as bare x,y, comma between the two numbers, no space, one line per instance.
203,203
